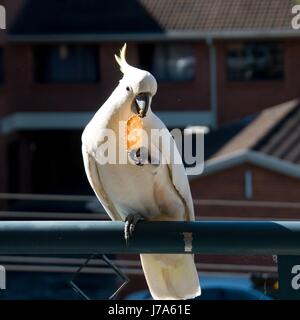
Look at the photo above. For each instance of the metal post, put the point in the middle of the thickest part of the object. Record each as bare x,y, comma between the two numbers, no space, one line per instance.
213,81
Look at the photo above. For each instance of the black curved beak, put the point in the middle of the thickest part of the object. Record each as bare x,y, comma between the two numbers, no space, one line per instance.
142,102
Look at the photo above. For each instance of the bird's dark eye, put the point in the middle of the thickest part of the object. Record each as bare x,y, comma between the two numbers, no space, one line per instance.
127,88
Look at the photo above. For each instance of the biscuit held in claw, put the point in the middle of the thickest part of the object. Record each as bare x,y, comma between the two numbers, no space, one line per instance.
134,133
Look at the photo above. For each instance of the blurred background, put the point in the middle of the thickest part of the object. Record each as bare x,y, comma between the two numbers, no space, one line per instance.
230,67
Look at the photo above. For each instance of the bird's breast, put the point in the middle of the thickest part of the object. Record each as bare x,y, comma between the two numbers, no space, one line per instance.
131,187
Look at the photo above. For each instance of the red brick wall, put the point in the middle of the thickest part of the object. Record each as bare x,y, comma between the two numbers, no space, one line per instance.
54,97
239,99
229,185
192,95
235,99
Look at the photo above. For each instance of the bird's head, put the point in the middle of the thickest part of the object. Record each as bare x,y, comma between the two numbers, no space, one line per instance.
140,85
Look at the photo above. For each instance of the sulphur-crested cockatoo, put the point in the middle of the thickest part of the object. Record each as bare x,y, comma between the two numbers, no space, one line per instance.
136,189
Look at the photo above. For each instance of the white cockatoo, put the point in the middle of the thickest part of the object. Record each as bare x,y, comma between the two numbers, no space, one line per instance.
139,189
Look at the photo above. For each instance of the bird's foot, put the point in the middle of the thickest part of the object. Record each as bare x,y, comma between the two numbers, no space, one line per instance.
130,224
138,156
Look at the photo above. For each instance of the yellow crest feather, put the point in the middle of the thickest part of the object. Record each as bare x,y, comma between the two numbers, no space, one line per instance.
121,59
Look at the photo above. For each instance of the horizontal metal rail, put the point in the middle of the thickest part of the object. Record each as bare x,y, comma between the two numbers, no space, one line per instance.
197,202
19,215
46,197
203,237
26,262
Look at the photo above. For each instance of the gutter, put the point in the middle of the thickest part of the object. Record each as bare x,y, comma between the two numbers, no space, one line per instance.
158,36
249,156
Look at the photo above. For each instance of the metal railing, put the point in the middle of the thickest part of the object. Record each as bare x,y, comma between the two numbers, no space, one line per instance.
280,238
202,237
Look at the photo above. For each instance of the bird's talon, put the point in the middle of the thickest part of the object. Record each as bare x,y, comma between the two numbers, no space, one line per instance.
131,229
130,224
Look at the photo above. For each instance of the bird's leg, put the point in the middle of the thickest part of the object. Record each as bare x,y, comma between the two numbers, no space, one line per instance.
130,223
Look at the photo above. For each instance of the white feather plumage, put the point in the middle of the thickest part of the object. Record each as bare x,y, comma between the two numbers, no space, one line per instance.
159,193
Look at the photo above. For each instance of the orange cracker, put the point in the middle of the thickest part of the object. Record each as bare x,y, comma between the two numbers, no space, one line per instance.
134,133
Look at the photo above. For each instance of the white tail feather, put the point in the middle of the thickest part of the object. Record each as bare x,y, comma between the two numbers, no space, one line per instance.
171,276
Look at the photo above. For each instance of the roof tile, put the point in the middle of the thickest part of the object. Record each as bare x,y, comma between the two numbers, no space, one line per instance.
119,16
271,131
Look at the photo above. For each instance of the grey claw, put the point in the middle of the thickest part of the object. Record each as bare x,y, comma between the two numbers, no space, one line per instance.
130,224
131,229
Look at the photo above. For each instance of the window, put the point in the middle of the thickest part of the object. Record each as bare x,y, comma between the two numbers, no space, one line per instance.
66,63
248,188
168,62
255,61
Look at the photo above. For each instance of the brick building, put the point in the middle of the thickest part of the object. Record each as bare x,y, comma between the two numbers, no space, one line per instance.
219,64
215,62
255,173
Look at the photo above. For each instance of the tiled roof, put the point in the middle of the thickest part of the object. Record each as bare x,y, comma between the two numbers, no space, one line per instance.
148,16
83,17
274,131
217,139
219,14
283,142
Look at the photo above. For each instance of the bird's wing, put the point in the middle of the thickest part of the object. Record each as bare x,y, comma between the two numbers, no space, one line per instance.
91,169
177,171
